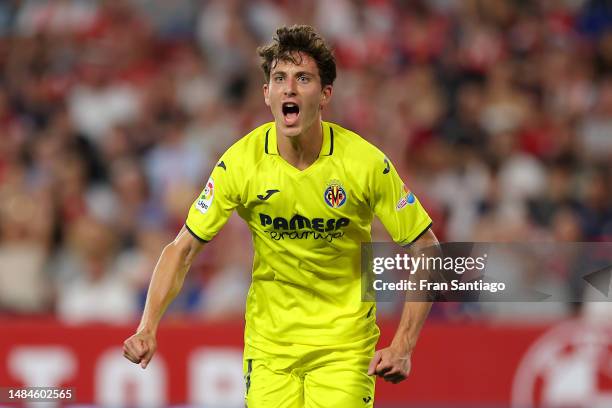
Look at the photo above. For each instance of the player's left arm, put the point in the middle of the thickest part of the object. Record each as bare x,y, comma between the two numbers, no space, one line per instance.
393,363
409,225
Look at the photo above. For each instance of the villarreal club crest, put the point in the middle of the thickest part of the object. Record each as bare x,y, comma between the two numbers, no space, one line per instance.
335,195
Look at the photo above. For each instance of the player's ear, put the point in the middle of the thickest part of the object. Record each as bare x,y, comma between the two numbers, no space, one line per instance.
326,94
266,92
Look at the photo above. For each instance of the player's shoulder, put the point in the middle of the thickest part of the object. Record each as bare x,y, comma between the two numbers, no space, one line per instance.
353,147
249,148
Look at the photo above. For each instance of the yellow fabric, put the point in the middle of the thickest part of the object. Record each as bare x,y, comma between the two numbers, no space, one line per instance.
311,377
307,227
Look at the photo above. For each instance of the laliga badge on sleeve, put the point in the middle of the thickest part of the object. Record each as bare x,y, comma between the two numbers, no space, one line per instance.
206,199
406,198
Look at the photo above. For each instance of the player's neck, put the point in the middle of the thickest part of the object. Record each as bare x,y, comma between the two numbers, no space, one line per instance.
301,150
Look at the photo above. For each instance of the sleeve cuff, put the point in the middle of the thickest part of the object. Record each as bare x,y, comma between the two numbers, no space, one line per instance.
196,236
407,244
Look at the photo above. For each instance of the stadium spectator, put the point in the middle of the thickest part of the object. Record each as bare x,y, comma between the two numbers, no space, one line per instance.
89,286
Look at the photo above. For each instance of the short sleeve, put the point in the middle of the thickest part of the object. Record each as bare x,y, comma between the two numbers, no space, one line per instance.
220,196
395,205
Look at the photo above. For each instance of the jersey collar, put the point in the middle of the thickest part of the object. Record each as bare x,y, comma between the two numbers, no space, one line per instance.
327,148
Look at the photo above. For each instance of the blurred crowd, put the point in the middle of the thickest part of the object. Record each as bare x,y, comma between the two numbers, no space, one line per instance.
497,113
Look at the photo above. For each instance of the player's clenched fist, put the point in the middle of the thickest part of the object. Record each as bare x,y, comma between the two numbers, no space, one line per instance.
140,348
390,363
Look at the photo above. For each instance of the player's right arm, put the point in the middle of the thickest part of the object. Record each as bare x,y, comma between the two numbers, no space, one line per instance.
166,282
207,215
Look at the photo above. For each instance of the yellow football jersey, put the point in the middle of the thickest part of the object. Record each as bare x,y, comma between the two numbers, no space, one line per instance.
307,228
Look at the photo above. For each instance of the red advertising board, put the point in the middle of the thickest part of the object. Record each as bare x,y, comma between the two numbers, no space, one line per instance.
455,364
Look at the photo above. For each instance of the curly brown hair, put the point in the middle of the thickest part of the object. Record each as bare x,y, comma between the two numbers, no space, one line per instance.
298,39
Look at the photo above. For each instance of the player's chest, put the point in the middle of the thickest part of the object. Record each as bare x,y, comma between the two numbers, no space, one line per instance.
324,191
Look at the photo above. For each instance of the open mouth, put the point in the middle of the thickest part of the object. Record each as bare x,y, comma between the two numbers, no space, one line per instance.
291,112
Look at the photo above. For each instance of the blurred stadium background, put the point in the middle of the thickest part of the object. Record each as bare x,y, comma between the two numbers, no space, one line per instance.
497,113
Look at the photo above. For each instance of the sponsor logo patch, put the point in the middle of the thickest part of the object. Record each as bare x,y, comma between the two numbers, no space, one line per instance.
407,198
206,199
268,194
300,227
334,195
387,166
